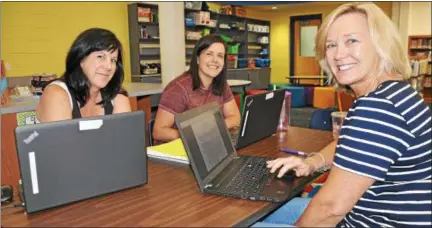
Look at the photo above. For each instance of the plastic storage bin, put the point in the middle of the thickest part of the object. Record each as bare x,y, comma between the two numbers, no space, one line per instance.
226,38
193,5
242,63
232,61
298,96
259,62
233,49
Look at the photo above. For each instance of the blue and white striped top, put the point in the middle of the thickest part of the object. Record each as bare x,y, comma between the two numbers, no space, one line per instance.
386,136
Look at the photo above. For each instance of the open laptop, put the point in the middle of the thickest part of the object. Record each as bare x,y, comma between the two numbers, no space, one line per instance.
260,117
67,161
218,168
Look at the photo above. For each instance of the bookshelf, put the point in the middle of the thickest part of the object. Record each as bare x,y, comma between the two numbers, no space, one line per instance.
250,36
248,41
420,46
144,42
420,51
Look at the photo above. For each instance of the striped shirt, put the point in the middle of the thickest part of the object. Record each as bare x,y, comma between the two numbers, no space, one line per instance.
386,136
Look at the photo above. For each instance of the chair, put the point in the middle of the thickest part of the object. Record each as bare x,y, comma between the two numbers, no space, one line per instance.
255,91
150,126
324,97
321,119
309,91
239,98
298,96
346,100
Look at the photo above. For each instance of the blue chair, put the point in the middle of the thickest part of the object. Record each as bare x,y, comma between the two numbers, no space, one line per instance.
151,125
298,96
321,119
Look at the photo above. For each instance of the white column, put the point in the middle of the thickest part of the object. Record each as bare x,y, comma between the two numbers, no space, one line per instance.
172,40
396,13
404,22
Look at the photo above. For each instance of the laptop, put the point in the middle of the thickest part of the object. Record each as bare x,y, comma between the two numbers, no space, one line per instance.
67,161
260,117
218,168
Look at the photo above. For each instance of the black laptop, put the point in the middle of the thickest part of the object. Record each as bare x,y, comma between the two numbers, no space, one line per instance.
218,168
260,117
66,161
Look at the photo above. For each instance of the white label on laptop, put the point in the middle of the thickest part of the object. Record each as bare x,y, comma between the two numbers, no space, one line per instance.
33,173
269,95
245,123
90,125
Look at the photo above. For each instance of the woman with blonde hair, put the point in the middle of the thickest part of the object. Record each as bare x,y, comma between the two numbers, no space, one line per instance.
380,165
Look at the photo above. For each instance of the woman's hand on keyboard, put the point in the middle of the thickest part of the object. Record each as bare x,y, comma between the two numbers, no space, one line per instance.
297,164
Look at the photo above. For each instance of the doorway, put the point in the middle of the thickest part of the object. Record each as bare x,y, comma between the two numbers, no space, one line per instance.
303,30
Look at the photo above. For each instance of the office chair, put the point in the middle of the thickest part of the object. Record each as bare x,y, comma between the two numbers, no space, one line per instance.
151,125
321,119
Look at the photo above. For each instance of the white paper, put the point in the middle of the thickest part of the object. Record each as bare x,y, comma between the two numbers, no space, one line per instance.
90,125
154,154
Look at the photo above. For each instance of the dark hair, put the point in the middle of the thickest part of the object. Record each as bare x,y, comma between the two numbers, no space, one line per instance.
91,40
218,84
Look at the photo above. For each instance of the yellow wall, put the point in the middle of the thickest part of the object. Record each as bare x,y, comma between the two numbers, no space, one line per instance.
36,36
279,34
420,18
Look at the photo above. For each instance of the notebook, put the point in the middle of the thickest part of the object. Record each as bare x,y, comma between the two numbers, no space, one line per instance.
67,161
217,167
172,151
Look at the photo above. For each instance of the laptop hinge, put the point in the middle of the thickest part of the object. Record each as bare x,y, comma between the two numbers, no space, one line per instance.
209,179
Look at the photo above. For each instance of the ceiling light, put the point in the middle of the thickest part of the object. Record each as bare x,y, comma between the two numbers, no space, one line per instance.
274,8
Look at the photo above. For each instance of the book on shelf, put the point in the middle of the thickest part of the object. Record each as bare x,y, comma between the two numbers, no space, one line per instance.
420,67
414,43
427,82
144,14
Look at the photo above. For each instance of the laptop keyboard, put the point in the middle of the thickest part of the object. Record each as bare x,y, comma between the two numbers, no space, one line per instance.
250,178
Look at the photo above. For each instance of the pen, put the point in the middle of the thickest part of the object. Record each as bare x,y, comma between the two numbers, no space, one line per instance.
298,153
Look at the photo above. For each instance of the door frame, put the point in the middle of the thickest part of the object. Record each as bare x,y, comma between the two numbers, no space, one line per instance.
292,35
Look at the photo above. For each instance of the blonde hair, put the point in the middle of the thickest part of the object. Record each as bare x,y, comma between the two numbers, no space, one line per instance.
393,59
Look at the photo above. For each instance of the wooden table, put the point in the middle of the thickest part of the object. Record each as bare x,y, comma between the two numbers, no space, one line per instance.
172,198
295,80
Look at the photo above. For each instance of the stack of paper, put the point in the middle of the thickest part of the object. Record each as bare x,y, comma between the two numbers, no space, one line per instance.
172,151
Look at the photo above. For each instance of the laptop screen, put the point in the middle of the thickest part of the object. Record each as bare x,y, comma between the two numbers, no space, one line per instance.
208,140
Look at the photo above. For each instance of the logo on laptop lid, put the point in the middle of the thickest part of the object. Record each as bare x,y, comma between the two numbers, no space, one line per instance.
250,102
31,137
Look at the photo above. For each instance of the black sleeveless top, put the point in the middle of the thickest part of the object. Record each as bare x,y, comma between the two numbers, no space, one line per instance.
76,114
